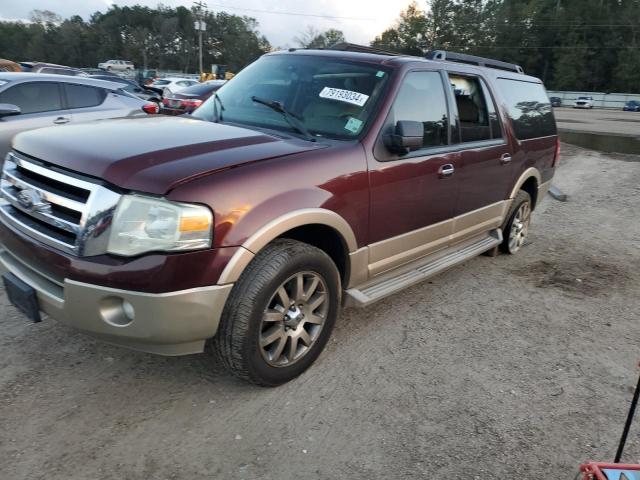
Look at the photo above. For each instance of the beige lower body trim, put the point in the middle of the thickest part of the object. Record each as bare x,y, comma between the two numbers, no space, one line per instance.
394,252
174,323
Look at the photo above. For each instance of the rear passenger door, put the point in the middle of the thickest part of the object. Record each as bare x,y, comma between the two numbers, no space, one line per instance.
485,173
41,105
413,195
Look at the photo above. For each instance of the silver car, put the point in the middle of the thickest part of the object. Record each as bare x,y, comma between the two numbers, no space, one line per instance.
33,100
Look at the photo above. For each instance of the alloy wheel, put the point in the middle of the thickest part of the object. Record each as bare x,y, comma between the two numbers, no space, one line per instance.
519,227
293,319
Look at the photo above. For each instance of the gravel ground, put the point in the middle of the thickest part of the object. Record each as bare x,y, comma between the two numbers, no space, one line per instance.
510,367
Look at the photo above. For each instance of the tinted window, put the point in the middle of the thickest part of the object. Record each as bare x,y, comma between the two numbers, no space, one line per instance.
529,108
161,82
422,99
200,89
33,97
82,96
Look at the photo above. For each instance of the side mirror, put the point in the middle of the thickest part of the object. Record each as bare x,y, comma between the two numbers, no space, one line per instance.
408,135
7,109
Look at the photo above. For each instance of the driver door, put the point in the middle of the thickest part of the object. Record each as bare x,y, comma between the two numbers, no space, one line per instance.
413,196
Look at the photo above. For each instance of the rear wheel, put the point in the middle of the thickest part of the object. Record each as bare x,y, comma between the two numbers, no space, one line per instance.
516,228
280,313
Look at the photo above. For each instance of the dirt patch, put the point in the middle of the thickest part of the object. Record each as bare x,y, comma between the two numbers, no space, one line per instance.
584,275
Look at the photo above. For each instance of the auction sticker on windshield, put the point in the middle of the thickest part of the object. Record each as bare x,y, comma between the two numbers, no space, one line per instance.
348,96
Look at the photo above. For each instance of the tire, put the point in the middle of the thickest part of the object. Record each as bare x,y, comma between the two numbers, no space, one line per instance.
516,227
108,69
243,342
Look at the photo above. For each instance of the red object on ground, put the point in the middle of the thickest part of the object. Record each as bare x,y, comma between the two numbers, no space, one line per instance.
595,470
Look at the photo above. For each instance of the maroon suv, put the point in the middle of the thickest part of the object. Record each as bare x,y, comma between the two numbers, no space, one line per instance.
313,179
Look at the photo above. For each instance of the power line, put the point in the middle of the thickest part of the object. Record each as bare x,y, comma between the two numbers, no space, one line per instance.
297,14
567,47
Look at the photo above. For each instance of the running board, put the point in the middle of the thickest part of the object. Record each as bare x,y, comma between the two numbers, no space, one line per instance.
422,269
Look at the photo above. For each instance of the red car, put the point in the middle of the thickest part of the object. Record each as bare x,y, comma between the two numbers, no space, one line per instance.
187,100
315,178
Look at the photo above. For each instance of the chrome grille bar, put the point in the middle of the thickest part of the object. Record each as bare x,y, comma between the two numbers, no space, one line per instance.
60,210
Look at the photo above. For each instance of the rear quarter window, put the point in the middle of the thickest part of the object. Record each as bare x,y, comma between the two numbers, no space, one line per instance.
529,108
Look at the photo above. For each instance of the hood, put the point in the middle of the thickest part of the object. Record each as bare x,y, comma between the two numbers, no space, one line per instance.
153,154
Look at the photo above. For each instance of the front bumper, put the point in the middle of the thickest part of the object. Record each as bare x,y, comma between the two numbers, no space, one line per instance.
173,323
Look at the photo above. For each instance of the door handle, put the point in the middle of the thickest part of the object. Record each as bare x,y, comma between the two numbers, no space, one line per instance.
446,170
505,158
61,120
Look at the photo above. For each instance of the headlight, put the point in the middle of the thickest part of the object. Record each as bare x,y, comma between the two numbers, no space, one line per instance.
144,224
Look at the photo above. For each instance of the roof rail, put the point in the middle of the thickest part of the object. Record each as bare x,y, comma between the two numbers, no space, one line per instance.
353,47
473,60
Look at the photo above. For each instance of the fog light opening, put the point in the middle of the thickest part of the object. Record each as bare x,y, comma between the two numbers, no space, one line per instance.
116,311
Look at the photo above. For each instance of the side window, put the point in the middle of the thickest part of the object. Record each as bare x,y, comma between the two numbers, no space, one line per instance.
529,108
473,108
422,99
82,96
33,97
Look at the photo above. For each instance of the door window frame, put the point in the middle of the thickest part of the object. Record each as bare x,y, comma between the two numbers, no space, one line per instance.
380,152
67,106
61,96
484,85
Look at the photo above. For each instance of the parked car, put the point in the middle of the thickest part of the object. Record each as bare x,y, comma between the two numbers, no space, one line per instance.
169,85
120,65
555,101
583,102
51,68
314,177
187,100
632,106
29,101
132,87
99,71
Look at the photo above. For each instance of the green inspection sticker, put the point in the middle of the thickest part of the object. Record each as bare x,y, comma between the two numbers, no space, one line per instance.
353,125
380,73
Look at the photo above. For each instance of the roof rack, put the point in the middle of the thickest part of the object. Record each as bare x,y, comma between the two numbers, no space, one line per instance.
473,60
354,47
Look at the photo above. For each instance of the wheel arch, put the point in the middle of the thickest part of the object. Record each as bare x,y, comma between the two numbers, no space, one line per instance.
320,227
529,181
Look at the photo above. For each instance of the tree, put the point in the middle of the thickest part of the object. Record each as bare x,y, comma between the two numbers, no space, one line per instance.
312,38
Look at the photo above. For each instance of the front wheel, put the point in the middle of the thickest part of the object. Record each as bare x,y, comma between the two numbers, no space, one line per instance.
280,313
516,228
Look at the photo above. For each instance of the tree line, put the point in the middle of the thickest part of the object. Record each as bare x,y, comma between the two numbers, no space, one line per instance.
591,45
162,38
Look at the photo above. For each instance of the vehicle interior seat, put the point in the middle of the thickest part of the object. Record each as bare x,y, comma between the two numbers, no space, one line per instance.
471,128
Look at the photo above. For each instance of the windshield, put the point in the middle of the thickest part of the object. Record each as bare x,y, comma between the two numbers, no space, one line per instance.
332,98
584,98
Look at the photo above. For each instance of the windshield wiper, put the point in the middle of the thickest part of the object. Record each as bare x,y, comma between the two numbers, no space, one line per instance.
291,118
217,115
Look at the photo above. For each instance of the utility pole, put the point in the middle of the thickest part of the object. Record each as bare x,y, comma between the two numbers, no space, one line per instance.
200,7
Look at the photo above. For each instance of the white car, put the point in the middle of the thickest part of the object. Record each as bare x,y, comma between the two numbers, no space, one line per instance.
167,86
583,102
122,65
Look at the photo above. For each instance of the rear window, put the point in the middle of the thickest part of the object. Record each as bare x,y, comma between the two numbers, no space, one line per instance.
82,96
529,108
199,89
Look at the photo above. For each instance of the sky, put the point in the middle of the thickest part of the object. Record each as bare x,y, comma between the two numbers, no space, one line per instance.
361,20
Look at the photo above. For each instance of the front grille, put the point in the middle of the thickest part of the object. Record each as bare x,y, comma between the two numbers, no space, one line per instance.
65,211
